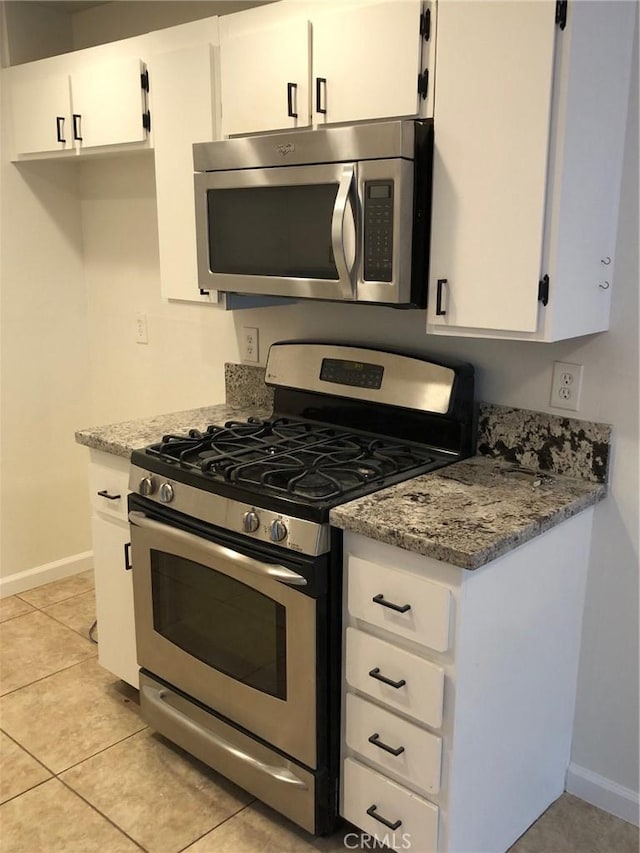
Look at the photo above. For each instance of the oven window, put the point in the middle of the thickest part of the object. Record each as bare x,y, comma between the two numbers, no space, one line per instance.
275,231
222,622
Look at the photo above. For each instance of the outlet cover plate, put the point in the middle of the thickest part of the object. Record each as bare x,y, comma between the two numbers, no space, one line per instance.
566,385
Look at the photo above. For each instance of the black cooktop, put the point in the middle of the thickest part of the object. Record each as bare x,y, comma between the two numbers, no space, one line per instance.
307,465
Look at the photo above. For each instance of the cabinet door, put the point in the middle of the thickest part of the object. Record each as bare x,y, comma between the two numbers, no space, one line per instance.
366,62
109,101
182,114
265,77
114,599
41,115
492,108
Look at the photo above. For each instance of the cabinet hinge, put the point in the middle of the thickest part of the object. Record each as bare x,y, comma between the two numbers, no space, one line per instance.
425,24
561,13
543,290
146,120
423,83
144,80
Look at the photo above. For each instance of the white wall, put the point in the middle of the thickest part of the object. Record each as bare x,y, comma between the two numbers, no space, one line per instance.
181,366
44,375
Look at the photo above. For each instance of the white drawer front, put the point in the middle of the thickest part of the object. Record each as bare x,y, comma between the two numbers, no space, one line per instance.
364,791
112,480
369,660
370,729
373,589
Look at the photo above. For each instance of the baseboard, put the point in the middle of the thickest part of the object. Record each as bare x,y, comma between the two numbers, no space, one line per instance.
30,578
603,793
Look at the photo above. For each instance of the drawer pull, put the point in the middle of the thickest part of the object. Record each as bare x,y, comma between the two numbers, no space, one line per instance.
400,608
375,740
371,811
375,673
105,494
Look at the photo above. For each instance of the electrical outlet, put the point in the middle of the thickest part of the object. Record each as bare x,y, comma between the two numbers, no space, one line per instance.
249,344
142,333
566,385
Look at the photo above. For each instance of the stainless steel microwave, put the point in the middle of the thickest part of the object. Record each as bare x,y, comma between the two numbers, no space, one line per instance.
339,214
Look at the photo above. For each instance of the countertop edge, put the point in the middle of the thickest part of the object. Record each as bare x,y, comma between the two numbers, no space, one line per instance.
469,560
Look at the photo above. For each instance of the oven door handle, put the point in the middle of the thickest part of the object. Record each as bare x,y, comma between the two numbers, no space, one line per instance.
278,573
337,231
156,698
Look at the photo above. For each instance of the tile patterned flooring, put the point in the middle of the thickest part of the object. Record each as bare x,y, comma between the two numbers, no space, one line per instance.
82,773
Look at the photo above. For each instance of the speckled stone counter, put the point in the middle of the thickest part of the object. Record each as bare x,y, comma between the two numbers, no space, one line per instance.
466,514
120,439
469,513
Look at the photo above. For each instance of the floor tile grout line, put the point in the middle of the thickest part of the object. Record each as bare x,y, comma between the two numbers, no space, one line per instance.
143,728
26,790
218,825
102,814
49,674
24,748
53,603
84,636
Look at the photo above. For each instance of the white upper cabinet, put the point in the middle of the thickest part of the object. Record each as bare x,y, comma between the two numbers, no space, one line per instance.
323,63
183,113
109,102
264,77
366,62
529,125
41,110
70,104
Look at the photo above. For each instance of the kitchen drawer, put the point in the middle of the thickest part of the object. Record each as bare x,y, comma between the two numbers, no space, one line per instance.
415,819
368,660
375,591
109,485
369,729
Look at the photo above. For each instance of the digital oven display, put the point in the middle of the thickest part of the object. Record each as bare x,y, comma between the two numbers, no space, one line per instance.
354,373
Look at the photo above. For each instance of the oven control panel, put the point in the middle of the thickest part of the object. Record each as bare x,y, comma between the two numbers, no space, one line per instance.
296,534
378,230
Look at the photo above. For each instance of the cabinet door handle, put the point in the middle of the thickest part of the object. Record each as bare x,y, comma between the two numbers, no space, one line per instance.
104,493
375,673
440,312
127,557
60,128
371,811
375,740
291,87
76,126
400,608
319,82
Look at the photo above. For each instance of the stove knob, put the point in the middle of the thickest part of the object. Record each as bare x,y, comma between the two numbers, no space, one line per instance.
250,521
147,486
166,493
278,531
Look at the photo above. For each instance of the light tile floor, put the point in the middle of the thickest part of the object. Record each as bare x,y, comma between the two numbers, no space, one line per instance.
82,773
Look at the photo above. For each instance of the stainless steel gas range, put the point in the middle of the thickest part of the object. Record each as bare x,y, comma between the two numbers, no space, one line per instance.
237,571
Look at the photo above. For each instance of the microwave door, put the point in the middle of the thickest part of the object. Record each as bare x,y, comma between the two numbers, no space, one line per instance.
287,231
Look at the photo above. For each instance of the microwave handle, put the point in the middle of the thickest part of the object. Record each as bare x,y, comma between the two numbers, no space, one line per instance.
278,573
337,230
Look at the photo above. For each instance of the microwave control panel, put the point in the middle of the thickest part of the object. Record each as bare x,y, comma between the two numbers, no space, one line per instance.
378,230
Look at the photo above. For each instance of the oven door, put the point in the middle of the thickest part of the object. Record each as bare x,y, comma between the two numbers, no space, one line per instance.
233,631
286,231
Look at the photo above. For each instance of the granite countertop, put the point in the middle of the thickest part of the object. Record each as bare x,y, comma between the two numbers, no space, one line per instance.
468,513
120,439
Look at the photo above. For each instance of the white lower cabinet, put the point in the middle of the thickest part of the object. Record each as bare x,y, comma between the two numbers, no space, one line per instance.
388,811
457,736
108,481
400,749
